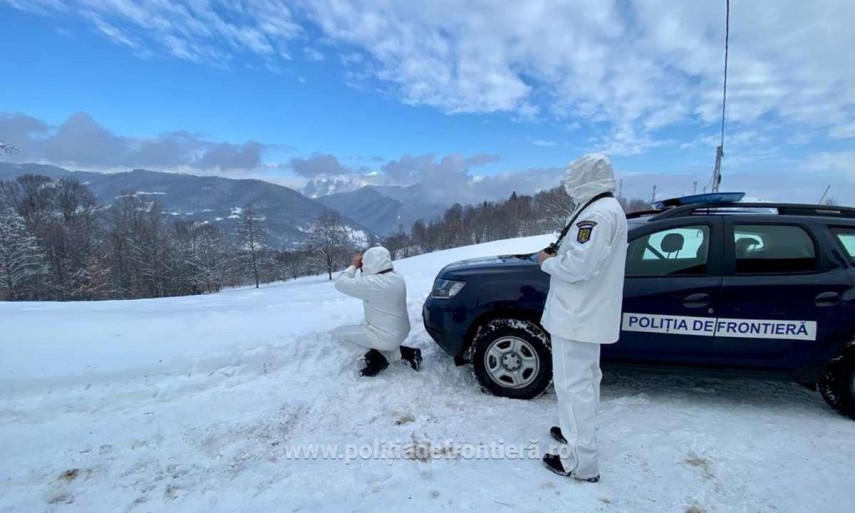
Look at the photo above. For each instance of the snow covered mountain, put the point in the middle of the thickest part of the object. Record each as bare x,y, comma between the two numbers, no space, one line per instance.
384,209
218,200
326,185
202,403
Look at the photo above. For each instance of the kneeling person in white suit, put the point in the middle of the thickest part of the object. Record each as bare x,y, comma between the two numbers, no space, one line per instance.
384,298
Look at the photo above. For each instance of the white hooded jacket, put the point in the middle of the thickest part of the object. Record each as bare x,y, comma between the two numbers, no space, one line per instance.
383,295
586,276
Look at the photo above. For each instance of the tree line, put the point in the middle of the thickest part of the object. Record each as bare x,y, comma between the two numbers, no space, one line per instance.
58,243
518,216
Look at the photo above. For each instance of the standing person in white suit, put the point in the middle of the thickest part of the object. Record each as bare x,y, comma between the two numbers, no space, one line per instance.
583,309
384,299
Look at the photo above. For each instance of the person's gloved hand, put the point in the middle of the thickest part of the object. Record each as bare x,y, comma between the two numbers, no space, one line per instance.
543,255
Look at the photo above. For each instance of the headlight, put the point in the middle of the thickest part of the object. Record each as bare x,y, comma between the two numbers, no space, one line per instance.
446,289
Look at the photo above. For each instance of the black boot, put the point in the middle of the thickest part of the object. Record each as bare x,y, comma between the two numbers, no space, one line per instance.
412,355
374,363
553,463
556,433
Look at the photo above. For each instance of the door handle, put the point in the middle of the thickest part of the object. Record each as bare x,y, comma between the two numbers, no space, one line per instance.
827,299
698,300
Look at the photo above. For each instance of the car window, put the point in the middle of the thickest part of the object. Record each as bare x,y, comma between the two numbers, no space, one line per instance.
773,249
846,238
675,252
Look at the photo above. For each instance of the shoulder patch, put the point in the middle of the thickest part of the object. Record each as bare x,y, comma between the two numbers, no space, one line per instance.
585,230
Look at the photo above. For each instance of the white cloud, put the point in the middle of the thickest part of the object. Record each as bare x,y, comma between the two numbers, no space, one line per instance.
543,142
81,143
843,131
842,161
203,31
638,66
84,144
639,73
774,184
312,54
114,33
634,66
317,165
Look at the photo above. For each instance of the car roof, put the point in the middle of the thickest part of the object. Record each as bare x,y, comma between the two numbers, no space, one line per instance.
730,204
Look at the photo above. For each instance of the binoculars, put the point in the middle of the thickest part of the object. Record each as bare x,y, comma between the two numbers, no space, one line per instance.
552,249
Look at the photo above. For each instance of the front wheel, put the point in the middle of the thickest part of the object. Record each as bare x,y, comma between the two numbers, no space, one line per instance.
841,384
512,358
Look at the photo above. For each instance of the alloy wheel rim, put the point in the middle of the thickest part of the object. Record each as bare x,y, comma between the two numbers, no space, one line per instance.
511,362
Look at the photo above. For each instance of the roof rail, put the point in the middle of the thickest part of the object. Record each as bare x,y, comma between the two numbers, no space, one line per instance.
782,209
642,213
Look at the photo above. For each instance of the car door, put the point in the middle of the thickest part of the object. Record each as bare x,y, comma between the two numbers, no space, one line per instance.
670,291
782,298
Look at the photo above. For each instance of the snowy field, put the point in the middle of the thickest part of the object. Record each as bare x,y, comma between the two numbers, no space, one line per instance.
192,404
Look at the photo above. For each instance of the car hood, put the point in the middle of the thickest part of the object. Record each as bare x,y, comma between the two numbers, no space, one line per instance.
493,262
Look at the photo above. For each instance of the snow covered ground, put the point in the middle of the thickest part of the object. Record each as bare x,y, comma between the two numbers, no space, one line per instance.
193,404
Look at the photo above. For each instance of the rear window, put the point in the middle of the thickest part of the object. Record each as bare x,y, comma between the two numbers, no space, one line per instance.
773,249
846,238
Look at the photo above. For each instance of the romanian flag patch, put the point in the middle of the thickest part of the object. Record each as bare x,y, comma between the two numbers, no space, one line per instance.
585,230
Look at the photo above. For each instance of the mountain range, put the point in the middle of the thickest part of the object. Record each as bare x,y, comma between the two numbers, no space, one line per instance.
289,214
384,209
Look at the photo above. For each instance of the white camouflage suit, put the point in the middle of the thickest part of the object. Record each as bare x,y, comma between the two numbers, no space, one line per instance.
583,307
384,299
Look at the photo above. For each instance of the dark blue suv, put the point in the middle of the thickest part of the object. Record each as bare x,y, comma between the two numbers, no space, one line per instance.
743,287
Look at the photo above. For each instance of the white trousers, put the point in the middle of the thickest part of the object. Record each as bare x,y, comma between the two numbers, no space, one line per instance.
357,340
576,377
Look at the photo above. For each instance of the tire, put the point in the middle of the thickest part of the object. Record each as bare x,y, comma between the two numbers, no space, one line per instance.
827,392
512,358
842,383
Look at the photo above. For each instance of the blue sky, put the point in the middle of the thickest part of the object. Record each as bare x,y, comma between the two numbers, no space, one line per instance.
477,97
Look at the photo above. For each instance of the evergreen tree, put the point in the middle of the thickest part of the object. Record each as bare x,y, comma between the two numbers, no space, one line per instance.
21,258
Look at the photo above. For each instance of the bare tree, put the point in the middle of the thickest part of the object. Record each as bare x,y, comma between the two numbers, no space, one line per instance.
199,256
398,244
210,259
420,236
151,250
74,242
300,262
252,236
329,241
93,281
63,246
453,233
555,207
21,258
142,249
123,223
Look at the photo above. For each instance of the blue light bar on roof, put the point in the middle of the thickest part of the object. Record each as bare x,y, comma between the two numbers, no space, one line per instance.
696,199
